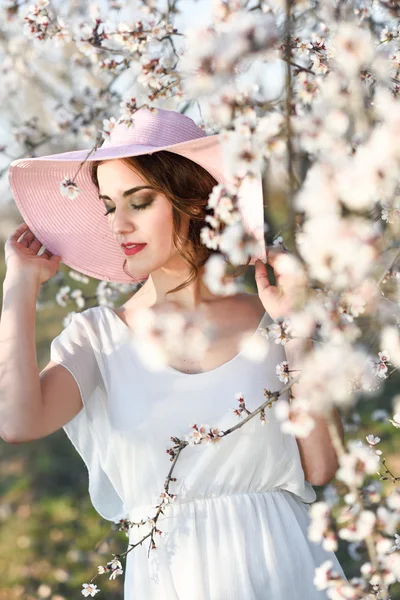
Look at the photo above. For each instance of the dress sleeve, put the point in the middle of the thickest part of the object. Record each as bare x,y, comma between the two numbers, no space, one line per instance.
89,431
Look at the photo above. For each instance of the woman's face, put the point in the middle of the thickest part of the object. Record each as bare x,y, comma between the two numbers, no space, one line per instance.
142,217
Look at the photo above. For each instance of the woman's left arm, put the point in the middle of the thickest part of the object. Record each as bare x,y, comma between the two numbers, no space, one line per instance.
318,457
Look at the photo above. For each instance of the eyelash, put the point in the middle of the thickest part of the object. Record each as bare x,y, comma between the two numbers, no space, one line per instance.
142,207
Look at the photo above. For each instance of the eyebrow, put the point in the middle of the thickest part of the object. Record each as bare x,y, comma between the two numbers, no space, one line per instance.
128,192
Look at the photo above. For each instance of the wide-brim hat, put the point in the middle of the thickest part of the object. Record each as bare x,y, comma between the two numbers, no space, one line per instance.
71,228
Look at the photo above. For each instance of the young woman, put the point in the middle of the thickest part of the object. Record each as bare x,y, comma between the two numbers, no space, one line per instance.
238,525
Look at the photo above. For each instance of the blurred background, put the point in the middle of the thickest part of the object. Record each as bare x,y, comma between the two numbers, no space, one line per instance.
51,538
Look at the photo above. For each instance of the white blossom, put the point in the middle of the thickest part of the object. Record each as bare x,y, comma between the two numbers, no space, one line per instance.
307,88
339,252
62,296
352,47
388,520
78,276
371,173
318,184
90,589
282,371
69,188
233,242
108,126
204,435
77,295
323,575
294,417
359,461
328,374
215,276
390,339
395,421
372,439
242,151
396,543
393,500
212,53
363,526
319,521
279,331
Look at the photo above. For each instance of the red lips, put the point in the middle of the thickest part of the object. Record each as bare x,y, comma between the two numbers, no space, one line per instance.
131,243
133,249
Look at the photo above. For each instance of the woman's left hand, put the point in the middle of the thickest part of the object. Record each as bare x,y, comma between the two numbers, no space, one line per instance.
277,301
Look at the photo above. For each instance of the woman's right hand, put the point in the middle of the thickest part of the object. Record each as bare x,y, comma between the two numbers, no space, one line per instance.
21,256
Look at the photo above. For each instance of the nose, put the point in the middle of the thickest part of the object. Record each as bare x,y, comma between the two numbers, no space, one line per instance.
122,224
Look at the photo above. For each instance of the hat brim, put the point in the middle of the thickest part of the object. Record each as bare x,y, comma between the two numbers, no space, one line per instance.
78,231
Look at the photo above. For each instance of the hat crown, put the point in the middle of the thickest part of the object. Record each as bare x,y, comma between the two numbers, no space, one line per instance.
149,128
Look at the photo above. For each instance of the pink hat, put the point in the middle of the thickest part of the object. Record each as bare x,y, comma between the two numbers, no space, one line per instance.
71,228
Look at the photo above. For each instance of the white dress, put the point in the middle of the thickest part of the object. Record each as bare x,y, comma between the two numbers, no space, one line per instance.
238,527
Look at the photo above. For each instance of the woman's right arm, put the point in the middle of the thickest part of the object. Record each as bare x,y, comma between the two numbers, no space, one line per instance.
32,404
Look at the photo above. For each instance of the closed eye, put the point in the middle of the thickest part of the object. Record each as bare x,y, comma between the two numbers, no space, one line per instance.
140,207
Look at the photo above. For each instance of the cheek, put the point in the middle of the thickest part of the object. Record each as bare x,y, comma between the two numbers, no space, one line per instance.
159,225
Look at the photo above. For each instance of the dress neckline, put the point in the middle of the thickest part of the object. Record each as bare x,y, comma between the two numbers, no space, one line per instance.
201,373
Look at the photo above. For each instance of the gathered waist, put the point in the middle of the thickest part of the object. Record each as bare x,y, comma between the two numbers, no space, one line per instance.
148,510
232,495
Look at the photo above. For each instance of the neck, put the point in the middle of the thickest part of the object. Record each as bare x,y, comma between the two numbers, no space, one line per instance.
192,297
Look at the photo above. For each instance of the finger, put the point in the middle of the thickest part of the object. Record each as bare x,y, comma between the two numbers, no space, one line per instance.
27,238
18,231
35,244
46,254
272,258
21,227
261,276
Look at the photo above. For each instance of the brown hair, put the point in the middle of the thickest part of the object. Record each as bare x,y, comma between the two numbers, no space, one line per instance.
187,186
